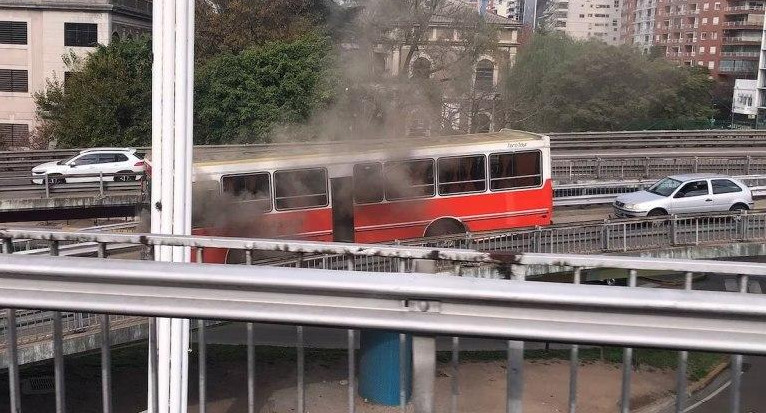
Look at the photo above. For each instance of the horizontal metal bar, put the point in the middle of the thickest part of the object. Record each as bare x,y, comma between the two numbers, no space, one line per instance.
256,244
692,320
642,263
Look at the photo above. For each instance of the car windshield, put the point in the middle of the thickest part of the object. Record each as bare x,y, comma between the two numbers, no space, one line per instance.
664,187
67,160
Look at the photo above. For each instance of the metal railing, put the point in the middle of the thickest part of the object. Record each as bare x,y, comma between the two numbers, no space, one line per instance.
52,185
422,305
573,168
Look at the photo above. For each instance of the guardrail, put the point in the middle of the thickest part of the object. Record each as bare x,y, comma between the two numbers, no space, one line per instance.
53,185
422,305
23,161
568,168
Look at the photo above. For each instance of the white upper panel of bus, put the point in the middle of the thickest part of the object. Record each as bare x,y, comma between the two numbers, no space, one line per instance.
213,162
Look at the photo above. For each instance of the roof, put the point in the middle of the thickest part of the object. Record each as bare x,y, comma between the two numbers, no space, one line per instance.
691,177
226,154
108,150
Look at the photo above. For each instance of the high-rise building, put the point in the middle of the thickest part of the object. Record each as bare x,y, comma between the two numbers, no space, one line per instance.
637,25
741,38
585,19
34,35
722,35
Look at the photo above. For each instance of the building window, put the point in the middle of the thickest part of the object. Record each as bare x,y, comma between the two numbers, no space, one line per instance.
717,6
700,63
14,80
14,135
704,20
712,49
711,65
702,50
703,35
80,34
715,20
714,35
13,32
485,74
706,6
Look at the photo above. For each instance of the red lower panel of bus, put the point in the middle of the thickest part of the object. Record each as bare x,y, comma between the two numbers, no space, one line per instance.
397,220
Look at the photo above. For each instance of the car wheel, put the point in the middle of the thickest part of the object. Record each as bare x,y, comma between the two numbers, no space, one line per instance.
657,212
124,178
56,179
738,207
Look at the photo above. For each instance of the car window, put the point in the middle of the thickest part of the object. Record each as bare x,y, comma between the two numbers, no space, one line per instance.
691,189
724,186
86,160
106,158
664,187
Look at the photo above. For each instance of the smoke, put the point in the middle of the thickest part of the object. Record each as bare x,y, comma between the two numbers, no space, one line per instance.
392,87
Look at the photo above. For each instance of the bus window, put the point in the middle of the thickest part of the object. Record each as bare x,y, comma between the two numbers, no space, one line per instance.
368,183
462,174
300,188
515,170
409,179
254,188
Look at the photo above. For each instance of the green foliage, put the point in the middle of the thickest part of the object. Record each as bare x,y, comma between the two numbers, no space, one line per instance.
240,98
106,101
559,84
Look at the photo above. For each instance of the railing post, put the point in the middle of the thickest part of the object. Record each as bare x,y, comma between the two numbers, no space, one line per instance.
646,167
101,184
538,241
743,225
47,186
598,168
695,168
605,236
423,354
674,230
748,161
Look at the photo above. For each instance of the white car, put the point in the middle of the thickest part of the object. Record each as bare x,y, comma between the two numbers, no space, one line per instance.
88,164
686,194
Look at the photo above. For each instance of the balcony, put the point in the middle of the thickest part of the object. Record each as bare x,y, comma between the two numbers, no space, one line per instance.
744,24
741,54
741,40
743,9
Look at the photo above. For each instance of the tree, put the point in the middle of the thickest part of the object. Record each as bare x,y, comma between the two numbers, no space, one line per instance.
559,84
239,98
232,26
106,101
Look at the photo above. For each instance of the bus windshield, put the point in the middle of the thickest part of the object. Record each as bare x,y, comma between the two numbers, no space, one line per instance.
664,187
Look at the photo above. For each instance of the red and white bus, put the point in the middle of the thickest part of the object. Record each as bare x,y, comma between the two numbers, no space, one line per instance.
382,191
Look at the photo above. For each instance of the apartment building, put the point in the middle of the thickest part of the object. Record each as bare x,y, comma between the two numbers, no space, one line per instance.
34,35
637,24
741,38
586,19
722,35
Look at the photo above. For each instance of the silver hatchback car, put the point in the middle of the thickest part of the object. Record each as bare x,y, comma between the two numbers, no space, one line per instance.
686,194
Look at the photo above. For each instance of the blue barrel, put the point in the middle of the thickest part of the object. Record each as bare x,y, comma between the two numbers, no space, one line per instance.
379,366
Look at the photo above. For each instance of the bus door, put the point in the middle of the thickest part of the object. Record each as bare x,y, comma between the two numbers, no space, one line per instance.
342,189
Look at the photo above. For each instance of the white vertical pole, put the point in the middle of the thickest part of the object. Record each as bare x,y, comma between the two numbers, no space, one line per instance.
156,179
172,85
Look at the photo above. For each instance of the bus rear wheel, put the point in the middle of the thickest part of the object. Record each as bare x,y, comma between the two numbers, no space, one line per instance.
445,226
